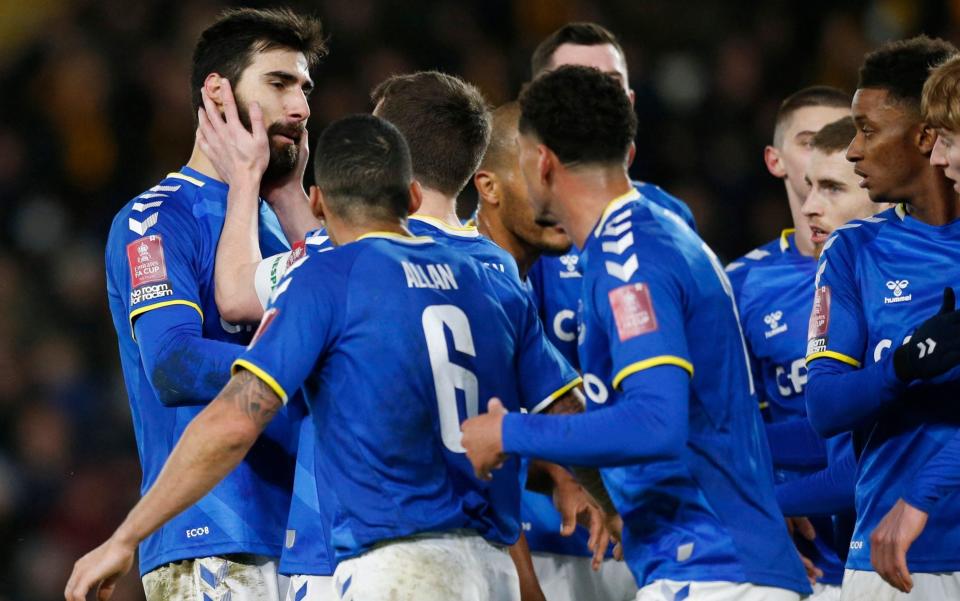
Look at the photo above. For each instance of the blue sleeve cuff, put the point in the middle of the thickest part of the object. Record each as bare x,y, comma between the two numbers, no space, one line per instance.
513,433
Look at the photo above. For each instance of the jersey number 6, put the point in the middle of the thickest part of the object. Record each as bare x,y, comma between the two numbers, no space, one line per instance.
448,377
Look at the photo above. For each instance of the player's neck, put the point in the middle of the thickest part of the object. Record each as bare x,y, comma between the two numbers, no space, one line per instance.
802,234
201,164
439,206
935,202
524,254
344,232
584,195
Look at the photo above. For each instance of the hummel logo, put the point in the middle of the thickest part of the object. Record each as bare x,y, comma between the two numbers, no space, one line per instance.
897,287
773,320
926,347
570,263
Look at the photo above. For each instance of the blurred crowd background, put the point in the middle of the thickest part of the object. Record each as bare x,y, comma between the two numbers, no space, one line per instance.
94,108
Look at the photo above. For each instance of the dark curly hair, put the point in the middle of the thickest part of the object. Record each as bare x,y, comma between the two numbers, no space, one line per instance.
580,113
902,67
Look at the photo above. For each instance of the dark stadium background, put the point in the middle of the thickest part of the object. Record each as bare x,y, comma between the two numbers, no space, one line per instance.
94,108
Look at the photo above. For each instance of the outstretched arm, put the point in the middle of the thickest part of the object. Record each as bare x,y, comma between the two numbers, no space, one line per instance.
212,445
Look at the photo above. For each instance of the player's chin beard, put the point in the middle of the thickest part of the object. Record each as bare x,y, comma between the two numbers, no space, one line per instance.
283,157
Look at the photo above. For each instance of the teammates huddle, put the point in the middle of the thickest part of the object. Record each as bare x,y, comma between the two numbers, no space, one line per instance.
418,390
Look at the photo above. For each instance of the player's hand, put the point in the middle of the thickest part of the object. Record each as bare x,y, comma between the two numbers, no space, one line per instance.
575,505
802,526
483,439
615,528
99,570
890,541
235,152
934,347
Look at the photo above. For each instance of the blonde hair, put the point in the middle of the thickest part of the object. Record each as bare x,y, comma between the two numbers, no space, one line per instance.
940,103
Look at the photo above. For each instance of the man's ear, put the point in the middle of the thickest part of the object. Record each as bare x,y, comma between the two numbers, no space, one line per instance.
213,84
774,162
926,138
488,187
631,153
547,163
416,197
316,202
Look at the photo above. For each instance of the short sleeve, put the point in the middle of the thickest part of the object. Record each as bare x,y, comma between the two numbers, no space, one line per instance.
642,312
544,374
161,258
837,328
296,330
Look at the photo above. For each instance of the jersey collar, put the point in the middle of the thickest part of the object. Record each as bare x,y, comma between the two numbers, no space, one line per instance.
396,238
462,232
196,178
785,240
615,205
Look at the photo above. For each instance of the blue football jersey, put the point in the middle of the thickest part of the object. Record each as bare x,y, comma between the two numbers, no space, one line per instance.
466,239
556,279
654,294
307,548
555,282
396,341
877,280
662,198
160,252
778,250
775,302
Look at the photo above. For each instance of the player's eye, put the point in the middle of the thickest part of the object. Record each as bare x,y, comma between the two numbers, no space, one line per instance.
278,85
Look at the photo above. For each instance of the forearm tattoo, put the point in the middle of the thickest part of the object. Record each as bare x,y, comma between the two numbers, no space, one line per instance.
253,397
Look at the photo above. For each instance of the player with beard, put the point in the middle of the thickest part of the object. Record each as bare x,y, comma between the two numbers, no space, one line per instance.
884,339
672,419
561,550
175,348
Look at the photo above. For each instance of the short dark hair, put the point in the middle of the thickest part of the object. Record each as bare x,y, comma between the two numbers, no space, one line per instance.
446,123
503,137
362,166
807,97
580,113
902,67
227,47
834,137
579,33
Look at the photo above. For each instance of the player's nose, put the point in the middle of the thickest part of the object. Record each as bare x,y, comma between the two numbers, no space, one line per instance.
298,107
855,149
812,205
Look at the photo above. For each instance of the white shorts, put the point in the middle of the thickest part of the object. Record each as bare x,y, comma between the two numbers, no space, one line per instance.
570,578
435,567
863,585
246,577
311,588
669,590
825,592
